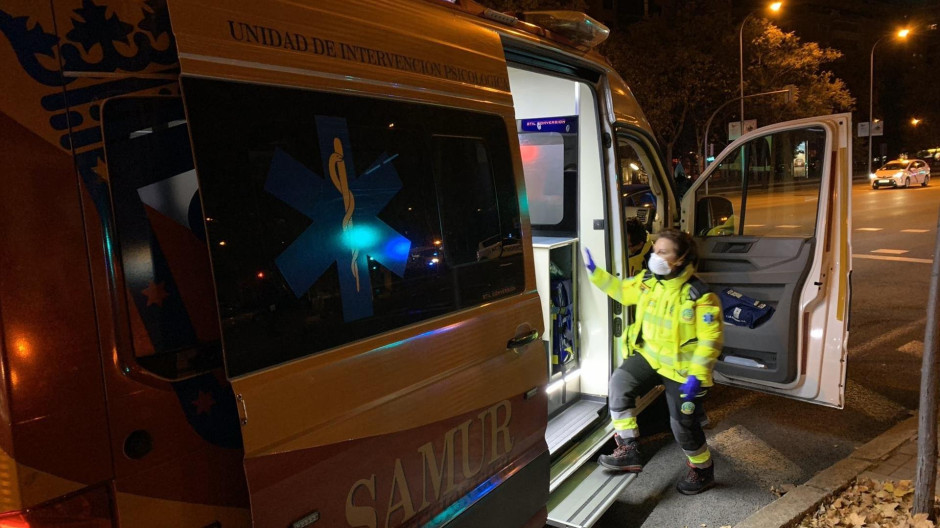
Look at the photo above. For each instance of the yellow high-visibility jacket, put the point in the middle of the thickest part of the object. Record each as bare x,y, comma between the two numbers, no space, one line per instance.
678,326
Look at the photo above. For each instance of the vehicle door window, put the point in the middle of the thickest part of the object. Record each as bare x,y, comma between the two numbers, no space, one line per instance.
637,179
160,242
768,187
336,217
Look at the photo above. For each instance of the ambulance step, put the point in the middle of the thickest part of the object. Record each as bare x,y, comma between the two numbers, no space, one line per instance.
584,497
586,449
571,422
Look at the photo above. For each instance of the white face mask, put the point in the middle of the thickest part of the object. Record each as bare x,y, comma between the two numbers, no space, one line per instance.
658,265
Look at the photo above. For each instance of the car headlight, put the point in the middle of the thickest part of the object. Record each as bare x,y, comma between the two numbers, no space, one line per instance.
872,176
898,174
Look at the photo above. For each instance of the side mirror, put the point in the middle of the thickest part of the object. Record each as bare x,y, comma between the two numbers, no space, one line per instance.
714,216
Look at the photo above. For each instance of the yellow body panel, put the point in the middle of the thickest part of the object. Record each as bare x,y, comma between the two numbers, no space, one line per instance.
408,51
23,487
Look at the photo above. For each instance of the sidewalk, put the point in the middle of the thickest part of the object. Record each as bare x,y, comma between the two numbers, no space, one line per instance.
891,456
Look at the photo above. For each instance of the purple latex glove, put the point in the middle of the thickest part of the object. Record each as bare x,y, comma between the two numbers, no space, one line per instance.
690,388
588,261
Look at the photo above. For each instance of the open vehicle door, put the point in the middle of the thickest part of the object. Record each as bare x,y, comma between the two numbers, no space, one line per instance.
772,216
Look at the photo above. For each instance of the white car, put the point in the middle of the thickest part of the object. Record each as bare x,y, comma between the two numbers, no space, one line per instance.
901,173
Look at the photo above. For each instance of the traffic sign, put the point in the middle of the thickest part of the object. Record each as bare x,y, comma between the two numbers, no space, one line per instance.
734,128
877,130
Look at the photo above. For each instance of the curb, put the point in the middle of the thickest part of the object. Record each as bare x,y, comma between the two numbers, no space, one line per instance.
788,510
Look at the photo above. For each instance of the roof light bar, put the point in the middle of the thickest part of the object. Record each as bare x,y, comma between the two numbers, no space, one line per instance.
576,27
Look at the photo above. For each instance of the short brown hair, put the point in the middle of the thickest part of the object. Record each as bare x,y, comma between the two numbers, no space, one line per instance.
686,248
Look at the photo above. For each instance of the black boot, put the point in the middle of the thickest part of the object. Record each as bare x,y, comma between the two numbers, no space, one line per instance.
626,456
696,480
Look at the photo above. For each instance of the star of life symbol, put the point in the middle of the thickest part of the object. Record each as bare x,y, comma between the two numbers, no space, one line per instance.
344,208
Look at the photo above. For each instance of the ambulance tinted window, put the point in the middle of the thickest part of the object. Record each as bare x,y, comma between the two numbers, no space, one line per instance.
160,236
335,218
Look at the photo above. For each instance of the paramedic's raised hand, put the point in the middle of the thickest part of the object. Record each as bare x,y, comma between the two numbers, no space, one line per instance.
690,388
588,261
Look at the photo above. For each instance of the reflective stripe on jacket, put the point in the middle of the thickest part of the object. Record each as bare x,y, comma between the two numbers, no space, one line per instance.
677,335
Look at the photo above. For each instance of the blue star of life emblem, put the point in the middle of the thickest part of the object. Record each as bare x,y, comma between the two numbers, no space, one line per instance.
344,208
708,318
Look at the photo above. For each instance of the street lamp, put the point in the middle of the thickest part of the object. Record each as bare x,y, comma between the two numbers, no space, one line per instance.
915,121
774,7
901,34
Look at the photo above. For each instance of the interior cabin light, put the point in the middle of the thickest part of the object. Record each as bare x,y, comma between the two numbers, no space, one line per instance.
557,384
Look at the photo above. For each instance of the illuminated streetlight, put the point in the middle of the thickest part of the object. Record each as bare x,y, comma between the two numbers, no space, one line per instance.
774,8
901,34
915,121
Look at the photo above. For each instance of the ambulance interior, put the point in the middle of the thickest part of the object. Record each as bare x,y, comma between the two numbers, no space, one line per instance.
558,126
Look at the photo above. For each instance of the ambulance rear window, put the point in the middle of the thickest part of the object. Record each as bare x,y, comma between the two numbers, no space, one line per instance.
338,217
161,243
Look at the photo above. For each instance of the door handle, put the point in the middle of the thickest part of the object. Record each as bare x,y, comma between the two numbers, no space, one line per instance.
521,341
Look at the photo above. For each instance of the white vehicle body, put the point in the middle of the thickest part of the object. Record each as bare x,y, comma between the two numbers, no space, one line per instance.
901,173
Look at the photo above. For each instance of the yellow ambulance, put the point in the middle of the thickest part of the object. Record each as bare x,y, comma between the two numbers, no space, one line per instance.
293,263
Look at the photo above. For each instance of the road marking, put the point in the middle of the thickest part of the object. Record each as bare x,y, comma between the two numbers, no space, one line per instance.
754,457
890,251
915,230
895,259
914,348
788,226
883,339
870,403
869,229
753,225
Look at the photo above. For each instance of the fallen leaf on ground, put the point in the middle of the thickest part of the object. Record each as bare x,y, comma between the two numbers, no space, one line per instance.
856,520
888,509
870,504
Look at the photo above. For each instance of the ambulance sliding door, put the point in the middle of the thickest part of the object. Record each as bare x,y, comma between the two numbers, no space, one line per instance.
559,135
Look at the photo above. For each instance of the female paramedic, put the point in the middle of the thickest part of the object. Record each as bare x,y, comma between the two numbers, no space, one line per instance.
678,336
